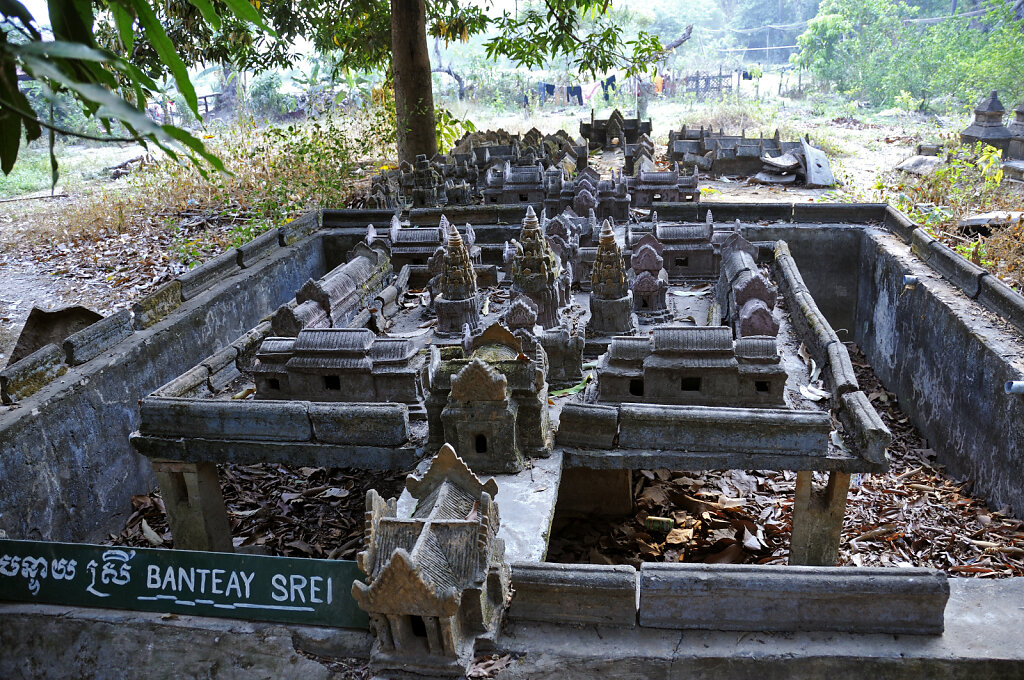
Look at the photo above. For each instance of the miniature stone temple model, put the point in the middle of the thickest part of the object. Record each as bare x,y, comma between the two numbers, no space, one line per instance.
614,131
457,304
611,300
688,251
537,272
745,296
436,580
988,125
1016,149
692,366
648,280
476,407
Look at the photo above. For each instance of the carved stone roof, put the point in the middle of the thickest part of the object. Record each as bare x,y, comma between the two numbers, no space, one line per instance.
629,348
647,259
479,382
448,466
388,350
522,313
757,348
991,104
690,340
677,233
646,282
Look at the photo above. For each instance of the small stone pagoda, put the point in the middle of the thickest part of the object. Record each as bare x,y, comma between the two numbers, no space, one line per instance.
457,303
648,281
428,185
1016,149
988,124
537,272
436,579
611,301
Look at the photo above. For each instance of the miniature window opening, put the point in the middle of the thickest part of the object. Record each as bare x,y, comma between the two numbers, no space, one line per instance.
418,625
690,384
683,261
636,387
523,198
480,444
656,197
643,303
763,386
332,382
274,383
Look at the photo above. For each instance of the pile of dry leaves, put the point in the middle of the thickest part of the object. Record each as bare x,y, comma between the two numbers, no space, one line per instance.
288,511
913,515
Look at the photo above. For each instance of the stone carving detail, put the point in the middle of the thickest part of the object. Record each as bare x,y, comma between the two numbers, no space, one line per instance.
611,301
537,272
436,580
649,281
745,296
988,124
478,382
456,304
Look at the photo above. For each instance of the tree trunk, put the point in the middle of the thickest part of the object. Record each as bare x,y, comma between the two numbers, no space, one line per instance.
414,92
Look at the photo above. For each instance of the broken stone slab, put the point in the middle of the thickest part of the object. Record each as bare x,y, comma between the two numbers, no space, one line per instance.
1014,170
818,171
760,598
360,424
158,304
299,228
710,429
1003,300
588,426
839,375
45,326
222,368
204,276
93,340
243,420
787,162
864,426
920,165
575,594
26,377
924,149
771,179
258,248
993,219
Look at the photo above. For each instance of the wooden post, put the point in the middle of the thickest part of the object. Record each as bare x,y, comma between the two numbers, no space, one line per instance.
818,519
195,506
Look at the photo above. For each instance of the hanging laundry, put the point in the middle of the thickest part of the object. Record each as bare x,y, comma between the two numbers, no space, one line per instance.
606,84
659,84
545,90
574,91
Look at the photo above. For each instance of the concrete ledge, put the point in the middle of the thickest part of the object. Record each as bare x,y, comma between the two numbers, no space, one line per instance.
258,248
963,274
158,304
588,426
849,213
709,429
812,326
31,374
864,426
357,218
574,593
838,371
898,223
682,212
787,599
48,642
920,243
745,212
93,340
245,420
195,382
360,424
246,452
497,213
207,274
299,228
1003,300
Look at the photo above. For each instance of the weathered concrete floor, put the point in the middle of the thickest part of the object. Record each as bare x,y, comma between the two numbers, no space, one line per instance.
983,639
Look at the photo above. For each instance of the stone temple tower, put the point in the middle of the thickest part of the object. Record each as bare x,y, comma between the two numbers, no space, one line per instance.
457,303
611,301
536,271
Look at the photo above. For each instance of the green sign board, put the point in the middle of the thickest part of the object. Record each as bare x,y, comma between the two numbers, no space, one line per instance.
253,587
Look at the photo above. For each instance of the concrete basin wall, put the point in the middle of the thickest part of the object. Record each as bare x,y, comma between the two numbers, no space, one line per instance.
67,469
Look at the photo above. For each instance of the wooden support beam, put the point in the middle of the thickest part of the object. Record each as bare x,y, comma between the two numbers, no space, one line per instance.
195,505
818,519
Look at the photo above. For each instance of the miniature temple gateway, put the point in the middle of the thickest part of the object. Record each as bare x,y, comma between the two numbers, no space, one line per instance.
437,579
611,300
457,305
537,272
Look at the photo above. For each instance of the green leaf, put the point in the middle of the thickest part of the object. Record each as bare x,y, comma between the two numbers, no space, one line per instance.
243,10
60,49
124,21
165,49
205,8
71,21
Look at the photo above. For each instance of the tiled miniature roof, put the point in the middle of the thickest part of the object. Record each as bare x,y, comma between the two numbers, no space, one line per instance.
629,348
991,104
275,346
758,348
392,534
684,232
392,349
417,235
678,339
335,340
